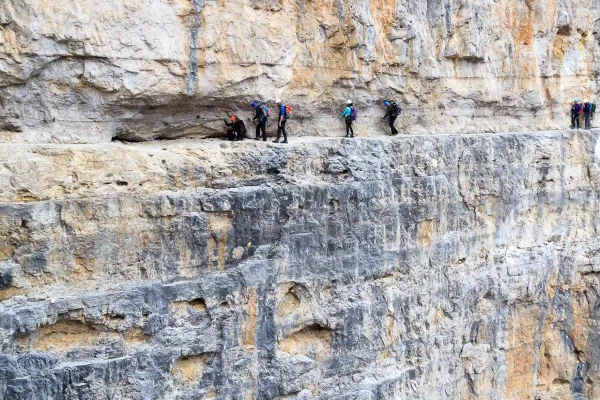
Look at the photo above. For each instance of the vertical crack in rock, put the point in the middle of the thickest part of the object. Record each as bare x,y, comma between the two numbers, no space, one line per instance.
462,185
192,77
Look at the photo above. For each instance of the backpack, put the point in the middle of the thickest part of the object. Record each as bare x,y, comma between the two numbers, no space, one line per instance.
587,107
354,114
266,112
288,112
395,109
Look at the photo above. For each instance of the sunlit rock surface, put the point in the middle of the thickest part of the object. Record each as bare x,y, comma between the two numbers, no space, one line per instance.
84,71
431,267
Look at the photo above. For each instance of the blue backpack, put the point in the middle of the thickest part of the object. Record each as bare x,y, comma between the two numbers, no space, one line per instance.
354,114
266,112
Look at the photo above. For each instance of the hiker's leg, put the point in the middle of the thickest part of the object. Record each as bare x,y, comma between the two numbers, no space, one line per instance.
284,131
257,136
264,129
278,134
587,121
393,128
347,127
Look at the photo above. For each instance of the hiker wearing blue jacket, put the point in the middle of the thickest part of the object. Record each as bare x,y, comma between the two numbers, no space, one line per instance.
349,116
282,120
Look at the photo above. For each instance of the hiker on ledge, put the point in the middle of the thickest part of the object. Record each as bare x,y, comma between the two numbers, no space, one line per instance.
261,117
349,115
576,110
236,128
284,112
588,112
392,112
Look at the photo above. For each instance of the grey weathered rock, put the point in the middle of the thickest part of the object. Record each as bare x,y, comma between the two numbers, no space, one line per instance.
87,71
432,267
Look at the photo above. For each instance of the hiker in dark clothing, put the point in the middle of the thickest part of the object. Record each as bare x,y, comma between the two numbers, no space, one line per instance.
576,110
236,128
282,120
261,118
349,115
587,113
392,111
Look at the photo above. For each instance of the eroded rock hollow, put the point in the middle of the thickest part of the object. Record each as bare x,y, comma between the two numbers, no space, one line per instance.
85,71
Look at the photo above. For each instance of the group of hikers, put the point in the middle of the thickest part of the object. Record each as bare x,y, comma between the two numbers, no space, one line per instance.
236,129
578,110
350,114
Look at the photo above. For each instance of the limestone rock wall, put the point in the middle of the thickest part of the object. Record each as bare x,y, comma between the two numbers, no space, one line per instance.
434,267
85,71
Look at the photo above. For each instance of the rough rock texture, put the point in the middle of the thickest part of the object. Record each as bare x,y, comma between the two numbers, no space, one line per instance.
432,267
89,70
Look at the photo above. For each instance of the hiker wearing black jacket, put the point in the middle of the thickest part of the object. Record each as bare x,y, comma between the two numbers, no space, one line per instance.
587,113
237,128
576,110
392,111
261,118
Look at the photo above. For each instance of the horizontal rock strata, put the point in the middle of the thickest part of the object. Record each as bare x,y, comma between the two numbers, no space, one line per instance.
84,71
446,267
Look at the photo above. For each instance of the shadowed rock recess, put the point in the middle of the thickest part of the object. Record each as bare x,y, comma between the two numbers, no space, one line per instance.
424,267
87,71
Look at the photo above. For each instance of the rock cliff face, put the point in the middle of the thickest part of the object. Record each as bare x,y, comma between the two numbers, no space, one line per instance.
433,267
85,71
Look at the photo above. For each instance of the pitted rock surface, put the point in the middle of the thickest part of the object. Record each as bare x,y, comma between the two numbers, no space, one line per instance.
84,71
425,267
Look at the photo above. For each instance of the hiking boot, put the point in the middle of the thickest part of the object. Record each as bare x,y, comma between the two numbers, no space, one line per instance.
276,141
284,142
257,138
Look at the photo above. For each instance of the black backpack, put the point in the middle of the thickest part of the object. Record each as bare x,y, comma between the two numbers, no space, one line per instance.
396,110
